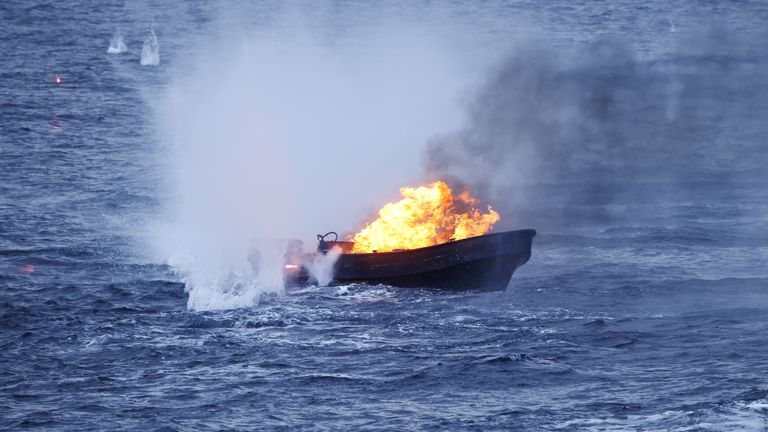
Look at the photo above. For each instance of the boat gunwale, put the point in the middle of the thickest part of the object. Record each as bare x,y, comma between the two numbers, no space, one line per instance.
452,242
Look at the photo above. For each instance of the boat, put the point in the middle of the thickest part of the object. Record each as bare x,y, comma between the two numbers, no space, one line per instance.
484,262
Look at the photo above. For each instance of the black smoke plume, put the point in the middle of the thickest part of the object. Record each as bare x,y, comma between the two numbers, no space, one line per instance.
598,123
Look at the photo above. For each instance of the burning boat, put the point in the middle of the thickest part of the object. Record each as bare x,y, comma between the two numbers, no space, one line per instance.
484,262
430,238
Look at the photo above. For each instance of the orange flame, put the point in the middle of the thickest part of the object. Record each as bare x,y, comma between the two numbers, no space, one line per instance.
426,216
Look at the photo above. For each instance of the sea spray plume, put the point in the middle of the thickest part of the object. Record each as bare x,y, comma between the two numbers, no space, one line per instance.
225,194
237,275
322,266
150,51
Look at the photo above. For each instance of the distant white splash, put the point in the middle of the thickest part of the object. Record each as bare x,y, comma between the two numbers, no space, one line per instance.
150,52
117,44
322,267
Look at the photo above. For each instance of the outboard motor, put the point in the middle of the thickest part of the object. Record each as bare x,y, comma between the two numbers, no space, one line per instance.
323,245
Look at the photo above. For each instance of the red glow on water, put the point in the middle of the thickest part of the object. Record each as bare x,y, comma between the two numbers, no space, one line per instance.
57,79
27,269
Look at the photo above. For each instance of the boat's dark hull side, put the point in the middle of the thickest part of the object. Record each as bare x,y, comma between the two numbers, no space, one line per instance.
483,274
484,262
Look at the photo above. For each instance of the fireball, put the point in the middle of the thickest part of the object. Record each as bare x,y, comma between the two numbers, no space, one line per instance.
425,216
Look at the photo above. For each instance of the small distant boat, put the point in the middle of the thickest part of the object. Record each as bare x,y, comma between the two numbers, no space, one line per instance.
485,262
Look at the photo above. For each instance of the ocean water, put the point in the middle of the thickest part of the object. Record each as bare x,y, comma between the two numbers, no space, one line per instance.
643,307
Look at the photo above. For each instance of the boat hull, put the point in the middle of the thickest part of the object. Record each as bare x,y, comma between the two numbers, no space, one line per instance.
485,262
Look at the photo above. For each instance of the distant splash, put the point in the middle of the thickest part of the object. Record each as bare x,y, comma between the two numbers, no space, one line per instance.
150,52
117,44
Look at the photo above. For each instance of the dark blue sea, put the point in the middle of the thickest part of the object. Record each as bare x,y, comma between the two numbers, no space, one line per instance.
144,192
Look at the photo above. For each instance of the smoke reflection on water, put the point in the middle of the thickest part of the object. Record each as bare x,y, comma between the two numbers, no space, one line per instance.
276,138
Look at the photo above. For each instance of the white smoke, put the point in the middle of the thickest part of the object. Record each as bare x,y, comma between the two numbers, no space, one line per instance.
273,136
